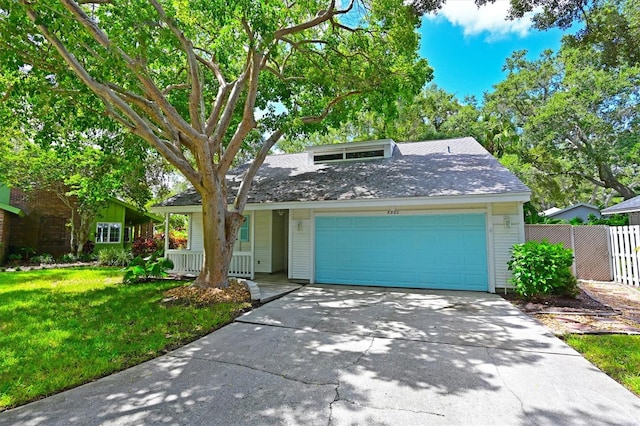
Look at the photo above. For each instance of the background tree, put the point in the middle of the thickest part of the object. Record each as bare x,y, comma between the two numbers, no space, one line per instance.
48,143
612,26
578,120
188,77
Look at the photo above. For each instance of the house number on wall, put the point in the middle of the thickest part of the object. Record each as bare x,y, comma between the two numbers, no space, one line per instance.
393,211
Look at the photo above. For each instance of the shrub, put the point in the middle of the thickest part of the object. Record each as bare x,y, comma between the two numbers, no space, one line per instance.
68,258
88,257
116,256
88,247
141,269
178,239
145,247
20,254
14,258
541,268
43,259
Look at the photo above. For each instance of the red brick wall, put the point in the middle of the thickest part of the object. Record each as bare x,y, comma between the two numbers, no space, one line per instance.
44,225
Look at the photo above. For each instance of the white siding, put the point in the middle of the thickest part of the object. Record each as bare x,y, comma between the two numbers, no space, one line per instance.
197,240
506,221
300,249
505,208
300,214
262,246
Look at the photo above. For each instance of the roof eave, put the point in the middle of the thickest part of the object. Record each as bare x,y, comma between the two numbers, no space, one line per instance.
622,211
11,209
368,202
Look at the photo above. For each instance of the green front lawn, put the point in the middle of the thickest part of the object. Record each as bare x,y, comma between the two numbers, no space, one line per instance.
61,328
617,355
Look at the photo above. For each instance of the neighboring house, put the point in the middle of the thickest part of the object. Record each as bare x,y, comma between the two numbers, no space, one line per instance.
7,212
41,223
437,214
580,210
119,223
630,207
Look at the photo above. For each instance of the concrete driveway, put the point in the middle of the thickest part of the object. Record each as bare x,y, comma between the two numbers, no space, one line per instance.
356,356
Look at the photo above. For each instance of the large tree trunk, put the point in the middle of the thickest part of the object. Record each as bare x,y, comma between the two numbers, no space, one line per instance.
611,181
83,231
220,229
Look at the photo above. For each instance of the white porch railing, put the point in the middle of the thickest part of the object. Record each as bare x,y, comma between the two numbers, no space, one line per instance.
625,251
190,262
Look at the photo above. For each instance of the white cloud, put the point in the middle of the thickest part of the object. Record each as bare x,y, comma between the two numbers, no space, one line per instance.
490,18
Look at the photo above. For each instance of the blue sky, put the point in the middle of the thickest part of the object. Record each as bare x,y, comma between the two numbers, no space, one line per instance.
467,46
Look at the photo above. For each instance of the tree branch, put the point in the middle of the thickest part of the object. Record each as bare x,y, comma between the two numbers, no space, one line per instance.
150,88
179,86
313,119
196,101
248,121
240,200
322,16
218,104
133,120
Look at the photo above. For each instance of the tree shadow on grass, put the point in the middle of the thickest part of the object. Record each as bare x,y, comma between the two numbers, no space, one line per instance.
356,356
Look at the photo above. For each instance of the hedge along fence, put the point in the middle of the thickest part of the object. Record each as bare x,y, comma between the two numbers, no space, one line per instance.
590,245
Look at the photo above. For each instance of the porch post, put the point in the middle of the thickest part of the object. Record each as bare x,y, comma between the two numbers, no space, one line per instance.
166,233
252,239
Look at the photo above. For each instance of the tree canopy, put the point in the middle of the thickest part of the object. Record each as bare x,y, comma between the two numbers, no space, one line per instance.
201,80
49,144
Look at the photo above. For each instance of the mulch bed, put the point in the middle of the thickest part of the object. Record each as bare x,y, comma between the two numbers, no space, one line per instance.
195,296
583,314
582,303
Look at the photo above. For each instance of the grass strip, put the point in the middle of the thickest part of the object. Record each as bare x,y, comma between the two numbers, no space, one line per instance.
62,328
615,354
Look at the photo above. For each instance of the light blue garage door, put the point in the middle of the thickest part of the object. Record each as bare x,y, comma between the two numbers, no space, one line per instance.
435,251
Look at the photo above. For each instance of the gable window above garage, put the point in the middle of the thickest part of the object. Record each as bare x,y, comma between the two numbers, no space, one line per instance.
351,151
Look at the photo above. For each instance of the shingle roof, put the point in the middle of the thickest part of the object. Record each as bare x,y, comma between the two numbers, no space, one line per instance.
554,211
418,169
627,206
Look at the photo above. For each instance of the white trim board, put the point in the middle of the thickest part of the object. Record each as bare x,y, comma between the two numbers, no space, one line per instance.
376,202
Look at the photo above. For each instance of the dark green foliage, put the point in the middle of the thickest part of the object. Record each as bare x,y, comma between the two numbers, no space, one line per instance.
541,268
140,270
116,256
613,220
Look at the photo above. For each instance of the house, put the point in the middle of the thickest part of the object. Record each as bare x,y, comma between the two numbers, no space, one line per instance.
38,220
7,212
631,207
580,210
436,214
119,223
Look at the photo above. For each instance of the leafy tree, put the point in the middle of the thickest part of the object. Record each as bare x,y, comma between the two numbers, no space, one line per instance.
578,120
613,26
49,144
188,78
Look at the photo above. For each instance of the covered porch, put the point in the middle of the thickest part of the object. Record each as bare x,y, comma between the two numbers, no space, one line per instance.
261,247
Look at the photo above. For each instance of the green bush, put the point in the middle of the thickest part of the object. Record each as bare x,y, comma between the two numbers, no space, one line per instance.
541,268
43,259
141,269
116,256
68,258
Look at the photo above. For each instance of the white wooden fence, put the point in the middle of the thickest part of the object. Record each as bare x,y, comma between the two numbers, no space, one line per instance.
190,262
625,252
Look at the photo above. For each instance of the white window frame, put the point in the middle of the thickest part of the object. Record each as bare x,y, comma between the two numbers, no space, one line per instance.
108,236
